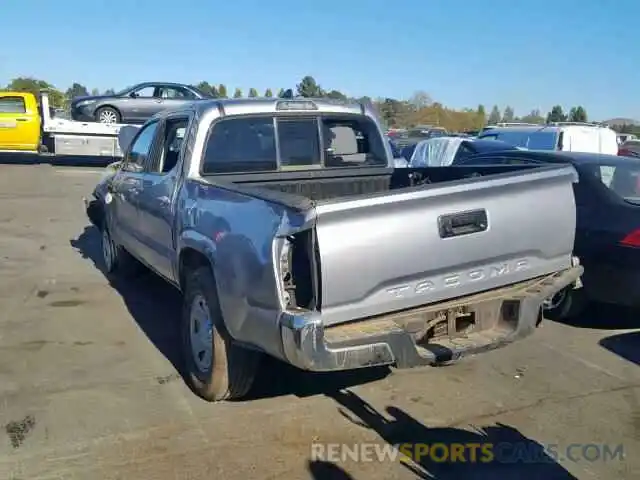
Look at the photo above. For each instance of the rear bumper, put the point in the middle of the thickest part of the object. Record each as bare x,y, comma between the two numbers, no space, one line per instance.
308,345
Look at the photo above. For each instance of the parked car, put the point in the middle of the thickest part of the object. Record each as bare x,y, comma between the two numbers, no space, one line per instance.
608,224
444,150
630,148
285,243
20,121
560,136
134,104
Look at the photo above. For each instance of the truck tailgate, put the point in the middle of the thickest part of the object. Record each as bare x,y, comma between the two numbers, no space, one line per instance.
426,244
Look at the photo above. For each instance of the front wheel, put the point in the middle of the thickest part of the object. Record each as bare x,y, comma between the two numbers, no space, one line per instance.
566,304
116,259
215,367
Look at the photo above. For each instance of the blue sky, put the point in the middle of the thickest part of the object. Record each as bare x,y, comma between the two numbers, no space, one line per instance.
528,54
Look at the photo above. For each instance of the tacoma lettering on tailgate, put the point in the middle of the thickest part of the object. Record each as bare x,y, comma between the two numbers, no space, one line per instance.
452,280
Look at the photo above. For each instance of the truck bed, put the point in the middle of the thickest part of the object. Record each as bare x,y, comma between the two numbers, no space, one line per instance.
388,240
321,185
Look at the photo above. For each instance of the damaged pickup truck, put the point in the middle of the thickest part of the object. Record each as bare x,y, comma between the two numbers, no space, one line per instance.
289,234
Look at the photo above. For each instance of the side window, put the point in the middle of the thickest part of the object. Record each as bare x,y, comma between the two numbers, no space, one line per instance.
12,105
179,93
352,142
144,92
463,152
244,144
140,149
174,133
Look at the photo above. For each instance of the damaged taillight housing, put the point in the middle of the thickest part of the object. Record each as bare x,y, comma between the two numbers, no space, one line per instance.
296,271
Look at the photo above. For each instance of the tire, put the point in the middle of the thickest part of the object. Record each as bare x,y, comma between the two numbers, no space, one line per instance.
217,368
116,260
108,115
570,305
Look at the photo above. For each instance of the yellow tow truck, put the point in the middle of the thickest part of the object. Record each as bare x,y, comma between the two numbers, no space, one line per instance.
28,124
20,122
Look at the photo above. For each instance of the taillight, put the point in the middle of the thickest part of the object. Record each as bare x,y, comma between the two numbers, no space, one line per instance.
623,152
632,239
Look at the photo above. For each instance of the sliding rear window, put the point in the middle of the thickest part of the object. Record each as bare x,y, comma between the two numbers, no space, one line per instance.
272,143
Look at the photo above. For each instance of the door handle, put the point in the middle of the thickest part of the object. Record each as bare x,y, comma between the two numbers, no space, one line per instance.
22,119
159,101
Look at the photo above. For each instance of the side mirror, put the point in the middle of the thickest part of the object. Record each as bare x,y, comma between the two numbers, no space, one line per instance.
133,95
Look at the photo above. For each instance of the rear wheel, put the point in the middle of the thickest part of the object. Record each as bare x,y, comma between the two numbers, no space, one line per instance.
567,303
216,368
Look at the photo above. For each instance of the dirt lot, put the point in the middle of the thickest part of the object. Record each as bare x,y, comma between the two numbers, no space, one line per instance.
89,387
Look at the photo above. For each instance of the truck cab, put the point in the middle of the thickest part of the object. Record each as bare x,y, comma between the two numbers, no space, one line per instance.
20,121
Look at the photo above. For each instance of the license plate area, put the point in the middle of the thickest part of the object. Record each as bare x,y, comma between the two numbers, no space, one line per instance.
449,323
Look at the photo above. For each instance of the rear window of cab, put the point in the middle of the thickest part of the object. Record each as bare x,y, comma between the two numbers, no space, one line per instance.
265,143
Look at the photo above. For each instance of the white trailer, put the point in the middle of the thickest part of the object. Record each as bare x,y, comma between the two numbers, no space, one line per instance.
70,138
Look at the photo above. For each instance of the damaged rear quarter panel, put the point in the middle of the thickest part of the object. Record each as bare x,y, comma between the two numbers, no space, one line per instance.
237,231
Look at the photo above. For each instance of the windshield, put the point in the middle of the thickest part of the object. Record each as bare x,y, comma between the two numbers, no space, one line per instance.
123,91
621,179
532,140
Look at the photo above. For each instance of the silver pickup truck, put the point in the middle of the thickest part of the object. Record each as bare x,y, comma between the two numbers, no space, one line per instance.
289,233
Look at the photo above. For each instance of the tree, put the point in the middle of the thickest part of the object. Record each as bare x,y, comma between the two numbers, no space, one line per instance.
556,115
481,116
534,116
237,93
336,95
494,116
214,92
95,92
57,99
309,88
76,90
268,93
109,91
204,87
420,99
508,115
253,93
222,91
577,114
281,93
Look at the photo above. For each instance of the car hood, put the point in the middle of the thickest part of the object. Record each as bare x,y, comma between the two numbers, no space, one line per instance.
95,98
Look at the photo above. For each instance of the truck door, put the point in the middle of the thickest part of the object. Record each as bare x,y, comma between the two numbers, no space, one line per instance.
19,122
122,206
156,202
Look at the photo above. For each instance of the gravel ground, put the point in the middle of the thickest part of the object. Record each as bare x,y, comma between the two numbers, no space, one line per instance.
89,386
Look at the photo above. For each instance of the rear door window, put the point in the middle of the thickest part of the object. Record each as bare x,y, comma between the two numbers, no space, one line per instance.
12,104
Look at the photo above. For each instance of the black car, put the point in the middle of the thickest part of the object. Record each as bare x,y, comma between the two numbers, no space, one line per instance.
607,239
466,148
135,104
